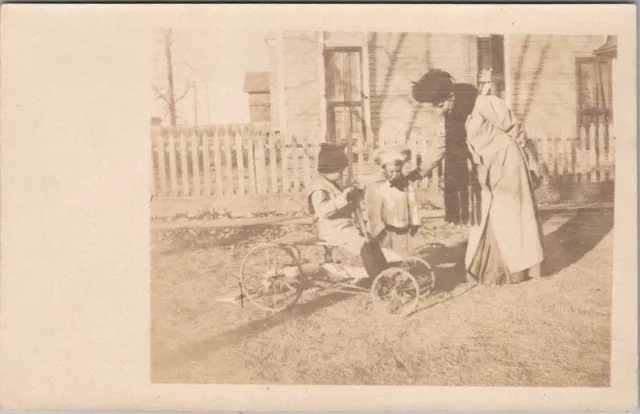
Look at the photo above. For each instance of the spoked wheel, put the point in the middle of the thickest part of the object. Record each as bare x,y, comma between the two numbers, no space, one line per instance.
422,271
395,291
296,235
270,278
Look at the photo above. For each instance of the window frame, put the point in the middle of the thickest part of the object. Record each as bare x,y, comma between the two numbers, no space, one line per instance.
331,104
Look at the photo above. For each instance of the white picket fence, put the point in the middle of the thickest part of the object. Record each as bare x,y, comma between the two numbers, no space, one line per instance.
251,159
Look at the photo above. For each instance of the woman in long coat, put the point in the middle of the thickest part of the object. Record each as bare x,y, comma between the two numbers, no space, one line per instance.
504,245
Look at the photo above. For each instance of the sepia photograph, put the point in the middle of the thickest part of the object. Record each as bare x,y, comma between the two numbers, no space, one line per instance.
318,207
381,208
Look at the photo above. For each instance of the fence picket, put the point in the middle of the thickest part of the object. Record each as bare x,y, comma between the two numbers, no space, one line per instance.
230,187
602,158
612,150
424,151
362,152
295,165
206,162
554,159
585,149
315,148
173,168
184,166
435,175
544,151
260,161
566,166
217,156
153,181
162,168
237,135
574,159
251,163
284,165
562,158
273,163
195,162
306,162
593,156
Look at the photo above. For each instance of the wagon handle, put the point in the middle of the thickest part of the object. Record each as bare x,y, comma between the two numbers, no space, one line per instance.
357,214
359,219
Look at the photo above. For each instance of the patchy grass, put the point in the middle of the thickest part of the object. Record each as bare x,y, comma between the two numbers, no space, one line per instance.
552,331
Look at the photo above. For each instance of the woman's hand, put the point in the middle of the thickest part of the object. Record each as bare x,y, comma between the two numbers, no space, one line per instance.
536,181
414,176
348,191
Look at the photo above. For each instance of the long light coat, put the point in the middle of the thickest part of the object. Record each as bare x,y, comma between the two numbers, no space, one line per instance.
493,137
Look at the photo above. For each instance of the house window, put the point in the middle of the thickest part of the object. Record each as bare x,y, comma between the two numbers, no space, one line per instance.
594,92
491,58
345,104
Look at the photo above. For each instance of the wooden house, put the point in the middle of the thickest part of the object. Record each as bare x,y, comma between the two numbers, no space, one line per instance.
330,85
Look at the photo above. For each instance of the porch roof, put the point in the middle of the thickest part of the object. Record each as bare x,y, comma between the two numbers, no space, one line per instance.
609,48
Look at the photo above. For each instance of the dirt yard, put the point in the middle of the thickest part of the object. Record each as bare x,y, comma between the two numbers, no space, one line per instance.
553,331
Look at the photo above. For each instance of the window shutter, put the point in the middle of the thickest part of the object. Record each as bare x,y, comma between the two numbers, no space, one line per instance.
470,59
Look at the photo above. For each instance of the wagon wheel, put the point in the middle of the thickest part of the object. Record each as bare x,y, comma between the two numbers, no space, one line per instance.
294,236
395,291
423,272
269,276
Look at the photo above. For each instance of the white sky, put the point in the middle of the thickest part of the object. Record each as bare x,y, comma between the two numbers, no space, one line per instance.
220,56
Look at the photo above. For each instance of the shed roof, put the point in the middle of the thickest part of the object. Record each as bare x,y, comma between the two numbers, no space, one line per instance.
256,82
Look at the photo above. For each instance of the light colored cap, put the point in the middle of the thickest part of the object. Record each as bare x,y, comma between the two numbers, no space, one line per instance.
402,149
386,155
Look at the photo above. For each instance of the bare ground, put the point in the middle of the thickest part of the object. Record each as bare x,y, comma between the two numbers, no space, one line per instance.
553,331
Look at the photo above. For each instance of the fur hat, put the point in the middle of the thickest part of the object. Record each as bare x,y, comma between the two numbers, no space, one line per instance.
331,158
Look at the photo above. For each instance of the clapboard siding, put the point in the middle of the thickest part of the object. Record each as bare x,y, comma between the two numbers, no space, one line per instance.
543,75
542,81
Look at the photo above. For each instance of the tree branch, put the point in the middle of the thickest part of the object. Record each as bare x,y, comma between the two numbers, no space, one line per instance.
160,94
186,91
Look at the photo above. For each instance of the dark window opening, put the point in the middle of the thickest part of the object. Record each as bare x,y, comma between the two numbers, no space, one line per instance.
345,104
491,58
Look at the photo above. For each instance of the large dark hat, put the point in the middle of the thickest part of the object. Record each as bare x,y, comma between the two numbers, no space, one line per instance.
332,158
434,87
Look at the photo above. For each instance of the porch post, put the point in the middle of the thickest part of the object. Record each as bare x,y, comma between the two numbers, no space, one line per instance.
282,107
609,50
366,91
508,76
322,88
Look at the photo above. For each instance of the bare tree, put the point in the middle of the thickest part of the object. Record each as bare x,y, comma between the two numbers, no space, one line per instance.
167,93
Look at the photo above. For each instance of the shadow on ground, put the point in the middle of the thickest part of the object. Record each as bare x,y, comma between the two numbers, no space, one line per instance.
563,247
575,238
197,350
